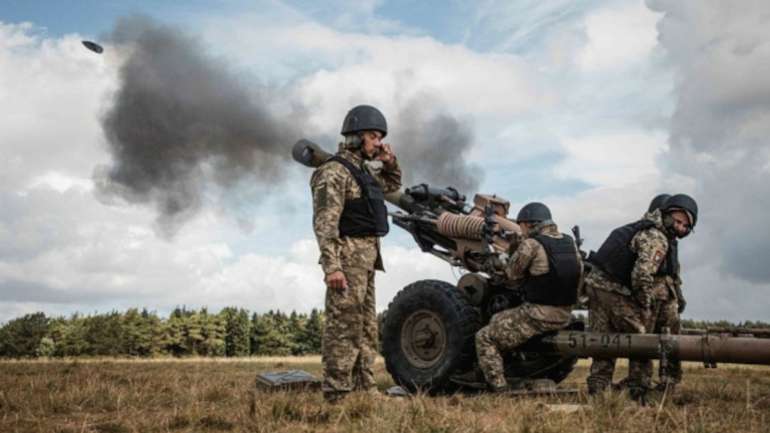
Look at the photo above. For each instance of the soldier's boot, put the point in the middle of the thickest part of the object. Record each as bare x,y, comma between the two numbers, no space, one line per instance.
334,397
596,387
667,386
638,394
374,394
621,385
472,379
499,389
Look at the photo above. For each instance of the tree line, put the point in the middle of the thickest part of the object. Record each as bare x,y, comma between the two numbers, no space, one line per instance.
231,332
141,333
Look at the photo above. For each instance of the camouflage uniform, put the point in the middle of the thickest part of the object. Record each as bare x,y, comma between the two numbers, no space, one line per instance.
666,315
510,328
350,336
617,308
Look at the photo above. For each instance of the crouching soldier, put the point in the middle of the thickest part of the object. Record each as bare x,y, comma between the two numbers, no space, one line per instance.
621,286
667,305
548,268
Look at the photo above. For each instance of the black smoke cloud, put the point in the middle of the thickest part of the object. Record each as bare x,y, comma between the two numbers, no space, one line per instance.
433,146
181,119
720,130
183,126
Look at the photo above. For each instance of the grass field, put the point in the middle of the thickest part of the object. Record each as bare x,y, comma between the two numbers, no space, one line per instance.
203,395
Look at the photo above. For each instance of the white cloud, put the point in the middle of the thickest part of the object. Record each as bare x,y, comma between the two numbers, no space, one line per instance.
60,182
614,160
485,85
618,37
51,91
388,71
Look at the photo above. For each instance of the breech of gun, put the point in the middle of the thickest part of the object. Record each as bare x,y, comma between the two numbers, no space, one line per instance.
460,226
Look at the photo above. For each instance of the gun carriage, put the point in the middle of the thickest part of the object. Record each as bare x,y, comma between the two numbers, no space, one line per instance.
429,327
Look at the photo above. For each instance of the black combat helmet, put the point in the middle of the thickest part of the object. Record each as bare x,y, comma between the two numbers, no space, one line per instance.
657,202
364,118
533,212
683,202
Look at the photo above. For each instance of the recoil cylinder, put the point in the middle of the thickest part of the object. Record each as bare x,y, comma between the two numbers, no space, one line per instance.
460,226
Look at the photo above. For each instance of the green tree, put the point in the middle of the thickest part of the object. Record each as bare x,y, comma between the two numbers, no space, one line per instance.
237,331
103,334
173,335
270,336
69,336
141,333
213,332
46,348
20,338
314,331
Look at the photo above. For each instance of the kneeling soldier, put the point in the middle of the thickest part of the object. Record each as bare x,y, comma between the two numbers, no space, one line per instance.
548,268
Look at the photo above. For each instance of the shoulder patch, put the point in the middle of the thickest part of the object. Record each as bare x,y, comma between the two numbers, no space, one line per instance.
658,257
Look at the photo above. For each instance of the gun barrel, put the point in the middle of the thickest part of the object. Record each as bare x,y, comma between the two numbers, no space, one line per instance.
424,192
402,201
309,154
709,349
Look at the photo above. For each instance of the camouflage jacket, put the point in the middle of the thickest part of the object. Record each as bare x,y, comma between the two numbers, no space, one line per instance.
674,284
332,184
650,246
530,259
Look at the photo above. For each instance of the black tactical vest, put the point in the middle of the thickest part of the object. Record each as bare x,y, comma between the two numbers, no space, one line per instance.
366,215
616,258
558,286
672,258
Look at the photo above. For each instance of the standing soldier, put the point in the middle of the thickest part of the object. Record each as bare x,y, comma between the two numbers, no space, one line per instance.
349,217
621,286
548,267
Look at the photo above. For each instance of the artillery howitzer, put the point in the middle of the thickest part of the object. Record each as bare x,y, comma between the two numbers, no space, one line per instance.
428,329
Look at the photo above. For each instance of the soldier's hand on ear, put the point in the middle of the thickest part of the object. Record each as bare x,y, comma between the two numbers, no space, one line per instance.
386,154
336,280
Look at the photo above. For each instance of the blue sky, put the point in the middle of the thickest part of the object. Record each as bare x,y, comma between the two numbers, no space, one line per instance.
590,106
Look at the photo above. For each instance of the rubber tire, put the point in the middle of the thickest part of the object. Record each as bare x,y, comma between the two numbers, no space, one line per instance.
460,321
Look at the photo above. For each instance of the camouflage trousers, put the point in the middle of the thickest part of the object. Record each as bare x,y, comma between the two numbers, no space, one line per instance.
666,315
350,336
507,330
613,312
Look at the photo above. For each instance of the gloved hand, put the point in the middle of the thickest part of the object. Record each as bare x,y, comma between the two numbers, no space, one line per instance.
682,305
498,262
514,240
680,298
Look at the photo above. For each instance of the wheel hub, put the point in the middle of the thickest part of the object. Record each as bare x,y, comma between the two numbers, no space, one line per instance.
423,338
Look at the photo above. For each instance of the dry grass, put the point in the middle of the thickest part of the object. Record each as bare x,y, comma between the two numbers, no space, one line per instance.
117,396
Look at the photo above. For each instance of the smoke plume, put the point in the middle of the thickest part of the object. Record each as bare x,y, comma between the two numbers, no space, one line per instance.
181,119
720,128
182,126
432,147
